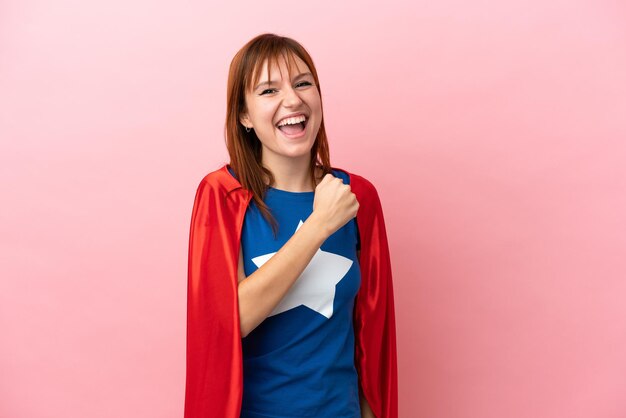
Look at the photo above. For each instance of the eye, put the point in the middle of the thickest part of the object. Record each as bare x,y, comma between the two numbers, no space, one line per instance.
302,83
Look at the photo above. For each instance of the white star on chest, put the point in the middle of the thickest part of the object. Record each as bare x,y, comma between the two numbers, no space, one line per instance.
315,288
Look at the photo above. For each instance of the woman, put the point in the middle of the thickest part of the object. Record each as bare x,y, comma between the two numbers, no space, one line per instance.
290,301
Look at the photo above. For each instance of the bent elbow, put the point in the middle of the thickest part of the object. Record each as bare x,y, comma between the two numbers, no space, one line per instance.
244,333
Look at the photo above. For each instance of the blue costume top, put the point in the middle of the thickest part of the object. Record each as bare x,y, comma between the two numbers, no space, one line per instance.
299,362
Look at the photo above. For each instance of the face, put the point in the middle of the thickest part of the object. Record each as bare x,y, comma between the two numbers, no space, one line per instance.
269,103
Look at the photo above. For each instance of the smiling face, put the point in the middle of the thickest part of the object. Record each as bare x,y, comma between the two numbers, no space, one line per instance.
268,102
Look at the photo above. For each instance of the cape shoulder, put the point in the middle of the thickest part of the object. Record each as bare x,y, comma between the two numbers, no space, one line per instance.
221,180
221,185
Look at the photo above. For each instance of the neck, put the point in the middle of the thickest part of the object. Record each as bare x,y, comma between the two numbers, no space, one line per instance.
290,174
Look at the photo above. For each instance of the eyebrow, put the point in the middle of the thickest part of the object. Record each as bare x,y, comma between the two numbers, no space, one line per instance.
276,81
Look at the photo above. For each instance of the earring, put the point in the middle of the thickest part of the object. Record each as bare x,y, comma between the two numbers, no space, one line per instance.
247,129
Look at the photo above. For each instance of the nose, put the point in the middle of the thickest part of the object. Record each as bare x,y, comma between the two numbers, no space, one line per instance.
292,99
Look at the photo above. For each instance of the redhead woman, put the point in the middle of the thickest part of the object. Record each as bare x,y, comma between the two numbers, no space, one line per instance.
290,309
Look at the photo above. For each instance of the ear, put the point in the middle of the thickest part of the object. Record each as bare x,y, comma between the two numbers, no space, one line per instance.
245,120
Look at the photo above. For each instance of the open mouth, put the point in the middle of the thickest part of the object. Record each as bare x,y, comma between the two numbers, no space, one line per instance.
294,130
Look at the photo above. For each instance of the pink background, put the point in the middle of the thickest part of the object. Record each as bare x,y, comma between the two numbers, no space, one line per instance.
494,132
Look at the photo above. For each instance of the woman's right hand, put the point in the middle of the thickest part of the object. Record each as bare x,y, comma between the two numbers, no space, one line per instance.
334,204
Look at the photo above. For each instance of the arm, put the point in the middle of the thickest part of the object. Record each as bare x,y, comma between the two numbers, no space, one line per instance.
261,292
334,204
366,411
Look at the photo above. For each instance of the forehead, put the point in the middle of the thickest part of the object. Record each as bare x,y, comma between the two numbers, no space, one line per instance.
279,67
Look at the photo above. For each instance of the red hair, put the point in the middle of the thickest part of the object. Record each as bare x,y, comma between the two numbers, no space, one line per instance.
244,147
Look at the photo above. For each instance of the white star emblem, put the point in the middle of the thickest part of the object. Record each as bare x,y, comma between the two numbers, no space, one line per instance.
315,288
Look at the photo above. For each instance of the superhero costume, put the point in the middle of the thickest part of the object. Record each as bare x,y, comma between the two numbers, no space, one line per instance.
214,379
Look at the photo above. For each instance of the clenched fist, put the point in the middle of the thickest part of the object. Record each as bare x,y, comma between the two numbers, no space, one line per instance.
334,203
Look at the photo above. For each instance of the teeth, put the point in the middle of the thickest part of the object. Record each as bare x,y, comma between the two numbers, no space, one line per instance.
292,121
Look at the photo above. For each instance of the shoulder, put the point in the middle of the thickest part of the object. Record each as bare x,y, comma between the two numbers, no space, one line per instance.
215,177
219,180
360,185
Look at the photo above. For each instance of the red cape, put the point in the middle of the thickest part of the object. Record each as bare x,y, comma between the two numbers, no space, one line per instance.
214,384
